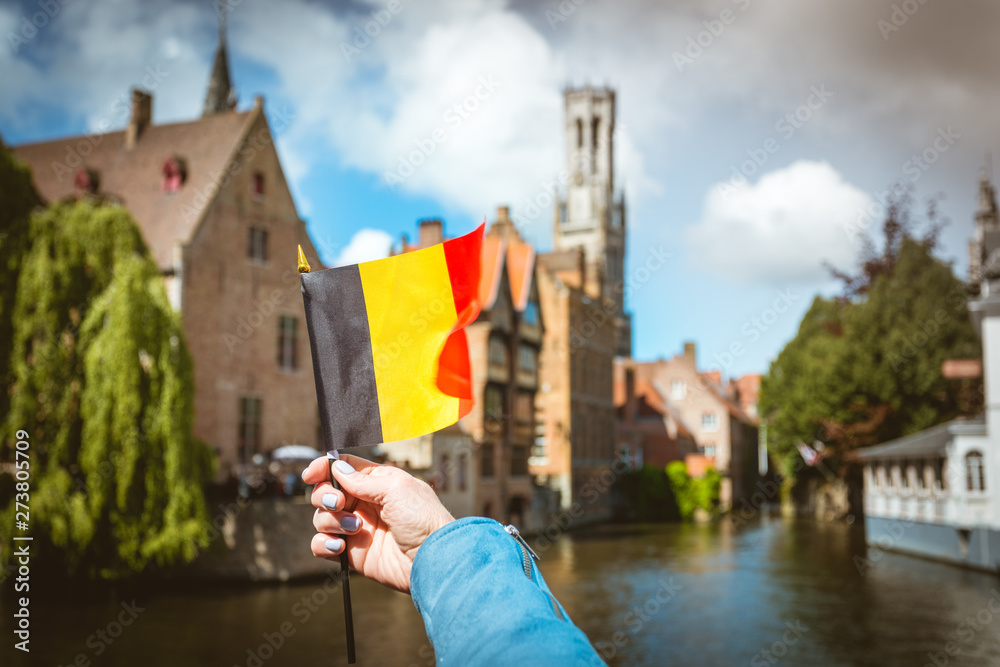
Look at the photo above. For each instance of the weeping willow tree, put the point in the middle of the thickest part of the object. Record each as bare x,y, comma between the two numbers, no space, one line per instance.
17,199
103,384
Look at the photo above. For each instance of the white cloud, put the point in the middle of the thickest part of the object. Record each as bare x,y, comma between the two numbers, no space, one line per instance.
779,230
366,245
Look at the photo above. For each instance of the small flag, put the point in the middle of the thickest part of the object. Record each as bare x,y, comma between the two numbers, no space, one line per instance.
809,455
389,351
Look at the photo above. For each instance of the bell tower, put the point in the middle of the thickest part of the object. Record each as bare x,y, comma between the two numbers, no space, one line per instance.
590,216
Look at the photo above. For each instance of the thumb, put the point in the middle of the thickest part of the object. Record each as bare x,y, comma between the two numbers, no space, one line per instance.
363,479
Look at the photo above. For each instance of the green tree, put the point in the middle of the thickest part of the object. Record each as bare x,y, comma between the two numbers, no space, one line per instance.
694,493
17,199
103,383
865,368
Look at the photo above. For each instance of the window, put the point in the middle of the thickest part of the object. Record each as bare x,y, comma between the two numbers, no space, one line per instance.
486,464
595,131
257,244
519,460
941,480
249,429
527,359
257,184
678,390
493,401
463,472
524,408
975,472
531,314
498,353
921,475
709,421
709,450
287,350
579,133
444,473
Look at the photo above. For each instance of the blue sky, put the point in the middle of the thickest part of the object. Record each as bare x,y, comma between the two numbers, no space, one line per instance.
751,132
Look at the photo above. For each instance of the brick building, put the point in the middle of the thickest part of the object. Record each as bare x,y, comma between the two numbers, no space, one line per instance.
577,443
724,433
504,348
214,208
650,429
581,287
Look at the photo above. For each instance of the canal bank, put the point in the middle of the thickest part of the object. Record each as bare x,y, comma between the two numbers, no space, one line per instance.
772,592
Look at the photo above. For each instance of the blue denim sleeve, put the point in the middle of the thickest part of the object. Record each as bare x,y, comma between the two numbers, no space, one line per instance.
484,602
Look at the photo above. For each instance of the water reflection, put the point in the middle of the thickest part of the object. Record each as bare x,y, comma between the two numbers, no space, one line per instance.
774,592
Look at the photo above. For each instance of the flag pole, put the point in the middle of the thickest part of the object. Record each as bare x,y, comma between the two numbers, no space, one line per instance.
345,570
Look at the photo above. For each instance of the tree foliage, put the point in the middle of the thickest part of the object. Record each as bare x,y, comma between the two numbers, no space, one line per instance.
103,383
694,493
17,199
865,367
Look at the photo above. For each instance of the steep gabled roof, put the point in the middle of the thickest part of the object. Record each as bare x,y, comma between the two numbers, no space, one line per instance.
206,147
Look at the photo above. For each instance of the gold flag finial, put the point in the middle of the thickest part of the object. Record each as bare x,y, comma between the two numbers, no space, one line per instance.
303,262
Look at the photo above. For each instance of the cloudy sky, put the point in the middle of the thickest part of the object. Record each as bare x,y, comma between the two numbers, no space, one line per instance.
756,136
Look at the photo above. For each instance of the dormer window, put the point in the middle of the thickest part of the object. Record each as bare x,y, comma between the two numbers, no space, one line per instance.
257,184
86,180
173,174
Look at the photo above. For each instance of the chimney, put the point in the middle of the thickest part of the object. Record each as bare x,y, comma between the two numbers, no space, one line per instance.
690,353
142,116
503,214
431,232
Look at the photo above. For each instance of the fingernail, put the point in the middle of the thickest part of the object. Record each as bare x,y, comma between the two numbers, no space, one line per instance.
350,523
345,467
334,544
329,501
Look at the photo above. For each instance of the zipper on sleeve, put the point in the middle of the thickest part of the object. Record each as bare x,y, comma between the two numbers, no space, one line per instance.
525,549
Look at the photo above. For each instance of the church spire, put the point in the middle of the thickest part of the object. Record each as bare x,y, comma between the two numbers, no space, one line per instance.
988,216
220,95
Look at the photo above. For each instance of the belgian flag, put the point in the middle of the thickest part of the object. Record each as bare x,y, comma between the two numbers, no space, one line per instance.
389,351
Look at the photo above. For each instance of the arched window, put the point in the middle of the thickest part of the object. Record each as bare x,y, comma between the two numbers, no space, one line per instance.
579,133
975,471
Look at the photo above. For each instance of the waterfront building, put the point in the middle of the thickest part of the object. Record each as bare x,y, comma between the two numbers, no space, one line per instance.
211,200
649,429
504,349
934,493
581,283
725,435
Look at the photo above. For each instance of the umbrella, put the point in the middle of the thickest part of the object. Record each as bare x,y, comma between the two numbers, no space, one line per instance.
295,453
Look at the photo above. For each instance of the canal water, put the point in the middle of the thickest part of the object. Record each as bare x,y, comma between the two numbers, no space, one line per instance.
775,592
